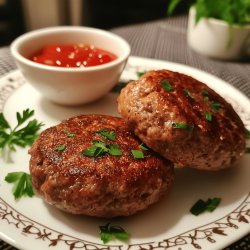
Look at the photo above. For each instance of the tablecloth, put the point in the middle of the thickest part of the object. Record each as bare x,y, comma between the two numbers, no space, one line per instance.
165,39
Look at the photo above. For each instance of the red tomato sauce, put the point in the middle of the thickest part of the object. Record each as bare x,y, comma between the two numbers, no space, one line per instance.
72,55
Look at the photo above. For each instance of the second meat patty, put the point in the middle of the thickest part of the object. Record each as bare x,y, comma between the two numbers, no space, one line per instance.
183,119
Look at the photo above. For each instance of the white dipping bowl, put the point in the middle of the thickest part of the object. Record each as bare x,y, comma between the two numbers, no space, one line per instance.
70,86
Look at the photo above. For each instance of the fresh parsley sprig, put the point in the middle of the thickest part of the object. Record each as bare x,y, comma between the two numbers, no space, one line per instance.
20,135
109,232
22,184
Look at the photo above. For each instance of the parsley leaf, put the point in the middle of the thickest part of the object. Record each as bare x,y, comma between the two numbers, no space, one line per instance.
24,136
201,206
60,147
187,93
247,133
182,126
109,233
69,134
167,86
140,73
172,6
22,184
100,148
137,154
143,146
215,106
108,134
115,150
118,87
208,116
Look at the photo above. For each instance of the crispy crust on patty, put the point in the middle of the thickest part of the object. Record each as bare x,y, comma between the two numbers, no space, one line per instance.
187,122
104,186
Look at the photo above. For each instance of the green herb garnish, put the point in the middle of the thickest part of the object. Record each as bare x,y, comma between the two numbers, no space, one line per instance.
100,148
17,136
143,146
247,133
114,150
140,73
182,126
201,206
215,106
205,93
167,86
172,6
109,233
208,116
137,154
69,134
187,93
108,134
119,86
60,147
22,184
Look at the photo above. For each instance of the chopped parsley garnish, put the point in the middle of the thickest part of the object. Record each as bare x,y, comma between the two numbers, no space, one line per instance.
60,147
137,154
205,93
118,87
17,136
140,73
69,134
247,133
167,86
215,106
201,206
108,134
143,146
182,126
208,116
114,150
187,93
22,184
109,233
100,148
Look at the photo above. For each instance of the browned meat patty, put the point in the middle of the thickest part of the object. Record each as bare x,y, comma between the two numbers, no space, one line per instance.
84,165
183,120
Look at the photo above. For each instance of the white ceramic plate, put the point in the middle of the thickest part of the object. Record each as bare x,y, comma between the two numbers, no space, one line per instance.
31,224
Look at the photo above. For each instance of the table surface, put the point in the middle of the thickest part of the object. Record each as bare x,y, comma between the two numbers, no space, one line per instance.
166,40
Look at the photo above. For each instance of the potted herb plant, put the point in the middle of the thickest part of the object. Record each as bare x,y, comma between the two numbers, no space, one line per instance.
218,28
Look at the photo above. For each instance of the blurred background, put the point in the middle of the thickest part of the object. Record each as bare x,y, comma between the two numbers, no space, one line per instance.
19,16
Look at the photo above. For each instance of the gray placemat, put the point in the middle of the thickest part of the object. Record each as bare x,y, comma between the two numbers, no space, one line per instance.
166,40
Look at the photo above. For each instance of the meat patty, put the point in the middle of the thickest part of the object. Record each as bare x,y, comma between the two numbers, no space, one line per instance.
183,119
85,165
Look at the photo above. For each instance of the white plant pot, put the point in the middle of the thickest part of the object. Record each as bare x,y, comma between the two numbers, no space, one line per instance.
211,37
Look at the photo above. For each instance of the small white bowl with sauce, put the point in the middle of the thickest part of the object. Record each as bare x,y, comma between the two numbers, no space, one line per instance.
70,85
